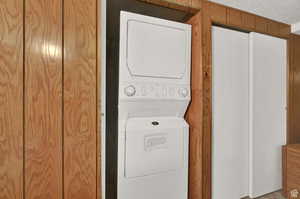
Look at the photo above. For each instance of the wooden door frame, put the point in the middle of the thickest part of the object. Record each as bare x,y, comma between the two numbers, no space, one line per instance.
199,114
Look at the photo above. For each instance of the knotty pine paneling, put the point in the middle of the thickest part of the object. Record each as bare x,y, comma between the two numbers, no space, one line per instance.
43,99
11,99
80,99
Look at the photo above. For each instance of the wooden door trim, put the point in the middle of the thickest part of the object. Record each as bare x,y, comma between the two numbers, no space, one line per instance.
216,14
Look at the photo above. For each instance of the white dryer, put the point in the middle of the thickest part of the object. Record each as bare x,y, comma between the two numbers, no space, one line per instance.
154,92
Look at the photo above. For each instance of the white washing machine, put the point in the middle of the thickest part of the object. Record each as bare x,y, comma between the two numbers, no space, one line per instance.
154,92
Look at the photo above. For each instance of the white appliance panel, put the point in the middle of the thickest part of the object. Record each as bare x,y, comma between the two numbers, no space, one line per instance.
153,50
145,58
267,112
230,114
154,85
154,145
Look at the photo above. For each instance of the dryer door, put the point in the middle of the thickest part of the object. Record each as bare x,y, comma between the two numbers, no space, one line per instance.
154,48
154,146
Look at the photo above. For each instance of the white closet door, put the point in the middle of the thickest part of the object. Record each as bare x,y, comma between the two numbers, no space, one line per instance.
267,112
230,114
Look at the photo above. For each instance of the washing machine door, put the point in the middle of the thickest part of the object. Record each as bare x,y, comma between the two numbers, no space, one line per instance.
154,145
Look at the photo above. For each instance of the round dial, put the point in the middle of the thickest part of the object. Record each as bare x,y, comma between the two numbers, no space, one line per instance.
130,91
183,92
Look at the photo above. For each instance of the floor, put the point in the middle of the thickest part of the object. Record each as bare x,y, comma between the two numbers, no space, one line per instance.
275,195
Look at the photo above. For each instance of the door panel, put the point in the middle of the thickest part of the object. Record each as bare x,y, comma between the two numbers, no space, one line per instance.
230,114
268,59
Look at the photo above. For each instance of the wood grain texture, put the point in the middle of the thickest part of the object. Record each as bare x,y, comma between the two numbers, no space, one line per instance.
234,17
207,104
191,6
215,12
80,96
292,169
11,99
238,19
284,161
199,111
261,24
43,99
99,94
294,90
195,112
248,21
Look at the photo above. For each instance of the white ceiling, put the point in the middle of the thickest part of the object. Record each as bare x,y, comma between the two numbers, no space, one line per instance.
287,11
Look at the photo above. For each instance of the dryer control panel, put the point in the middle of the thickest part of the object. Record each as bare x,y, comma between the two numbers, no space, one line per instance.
136,90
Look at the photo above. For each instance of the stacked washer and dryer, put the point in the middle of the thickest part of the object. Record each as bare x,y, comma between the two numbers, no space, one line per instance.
154,92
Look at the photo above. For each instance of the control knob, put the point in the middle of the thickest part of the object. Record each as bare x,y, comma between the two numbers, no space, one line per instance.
183,92
130,91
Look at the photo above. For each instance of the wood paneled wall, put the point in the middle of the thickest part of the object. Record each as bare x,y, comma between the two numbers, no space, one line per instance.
294,87
48,99
43,99
80,102
245,21
11,99
191,6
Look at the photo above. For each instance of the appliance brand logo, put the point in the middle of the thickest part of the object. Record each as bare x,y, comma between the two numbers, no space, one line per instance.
155,141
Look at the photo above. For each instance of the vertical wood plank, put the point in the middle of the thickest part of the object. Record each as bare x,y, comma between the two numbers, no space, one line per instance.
284,170
261,24
234,17
11,99
274,28
248,21
207,105
80,108
292,173
43,99
294,101
99,96
194,114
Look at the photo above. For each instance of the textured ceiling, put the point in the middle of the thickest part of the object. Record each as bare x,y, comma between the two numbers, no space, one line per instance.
287,11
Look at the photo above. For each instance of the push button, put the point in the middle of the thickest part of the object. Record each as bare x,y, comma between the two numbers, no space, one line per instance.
183,92
130,91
